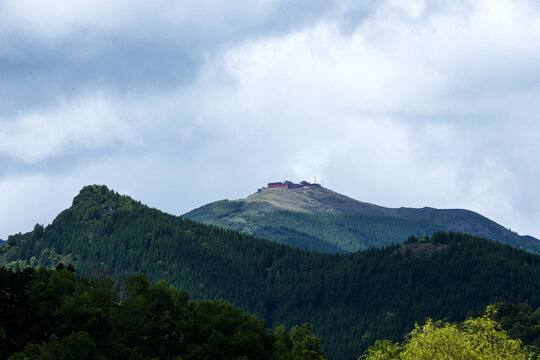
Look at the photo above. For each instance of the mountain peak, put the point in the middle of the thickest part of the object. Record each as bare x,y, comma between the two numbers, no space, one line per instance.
95,201
316,217
312,199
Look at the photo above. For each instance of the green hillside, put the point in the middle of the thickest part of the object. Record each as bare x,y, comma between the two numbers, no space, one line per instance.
351,300
322,220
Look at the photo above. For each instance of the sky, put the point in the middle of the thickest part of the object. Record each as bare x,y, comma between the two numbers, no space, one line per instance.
181,103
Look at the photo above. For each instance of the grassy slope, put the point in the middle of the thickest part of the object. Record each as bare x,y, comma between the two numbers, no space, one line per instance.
323,220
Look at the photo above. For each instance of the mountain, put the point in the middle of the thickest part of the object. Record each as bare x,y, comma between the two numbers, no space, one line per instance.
350,299
2,241
316,218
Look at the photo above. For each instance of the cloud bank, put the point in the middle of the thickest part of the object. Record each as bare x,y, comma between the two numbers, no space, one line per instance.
400,104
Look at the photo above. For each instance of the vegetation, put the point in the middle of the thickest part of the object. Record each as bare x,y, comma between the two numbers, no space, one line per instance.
520,322
324,232
52,314
324,221
480,338
351,300
347,232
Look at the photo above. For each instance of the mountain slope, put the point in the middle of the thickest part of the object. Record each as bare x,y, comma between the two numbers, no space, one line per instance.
351,300
323,220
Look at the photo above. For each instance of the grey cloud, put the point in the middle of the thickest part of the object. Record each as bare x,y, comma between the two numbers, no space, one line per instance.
394,104
38,77
155,48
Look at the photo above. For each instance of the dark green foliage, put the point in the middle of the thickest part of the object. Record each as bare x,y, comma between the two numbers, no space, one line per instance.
351,300
520,322
79,346
3,347
225,332
14,315
152,321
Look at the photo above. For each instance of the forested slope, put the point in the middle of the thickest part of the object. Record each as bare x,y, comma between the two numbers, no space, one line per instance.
322,220
351,300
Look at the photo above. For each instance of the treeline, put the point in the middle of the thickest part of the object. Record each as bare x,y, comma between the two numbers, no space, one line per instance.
322,232
333,232
53,314
351,300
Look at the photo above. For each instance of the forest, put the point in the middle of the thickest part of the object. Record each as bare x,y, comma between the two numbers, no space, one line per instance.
53,314
351,300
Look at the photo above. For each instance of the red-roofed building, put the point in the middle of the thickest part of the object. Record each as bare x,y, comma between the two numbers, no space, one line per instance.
290,185
276,185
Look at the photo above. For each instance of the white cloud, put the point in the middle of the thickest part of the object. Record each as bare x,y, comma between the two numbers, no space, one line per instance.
414,111
90,123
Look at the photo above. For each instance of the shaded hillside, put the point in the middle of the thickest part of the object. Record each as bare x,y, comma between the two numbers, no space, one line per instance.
351,300
323,220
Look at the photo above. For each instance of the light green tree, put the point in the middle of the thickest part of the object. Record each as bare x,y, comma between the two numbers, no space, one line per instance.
475,339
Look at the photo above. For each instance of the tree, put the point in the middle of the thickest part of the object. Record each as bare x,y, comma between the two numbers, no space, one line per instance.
3,348
383,350
79,346
298,344
480,338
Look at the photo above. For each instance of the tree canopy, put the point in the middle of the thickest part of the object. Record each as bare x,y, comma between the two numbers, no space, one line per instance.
480,338
53,314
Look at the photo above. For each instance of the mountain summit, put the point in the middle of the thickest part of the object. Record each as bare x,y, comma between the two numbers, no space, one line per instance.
317,218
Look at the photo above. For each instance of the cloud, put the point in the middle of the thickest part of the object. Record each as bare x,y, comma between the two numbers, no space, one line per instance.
457,65
60,20
422,106
91,123
401,104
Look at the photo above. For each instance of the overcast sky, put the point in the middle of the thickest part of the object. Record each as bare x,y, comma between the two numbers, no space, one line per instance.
180,103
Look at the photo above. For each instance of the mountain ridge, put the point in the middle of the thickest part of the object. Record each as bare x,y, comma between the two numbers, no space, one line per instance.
350,299
248,215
